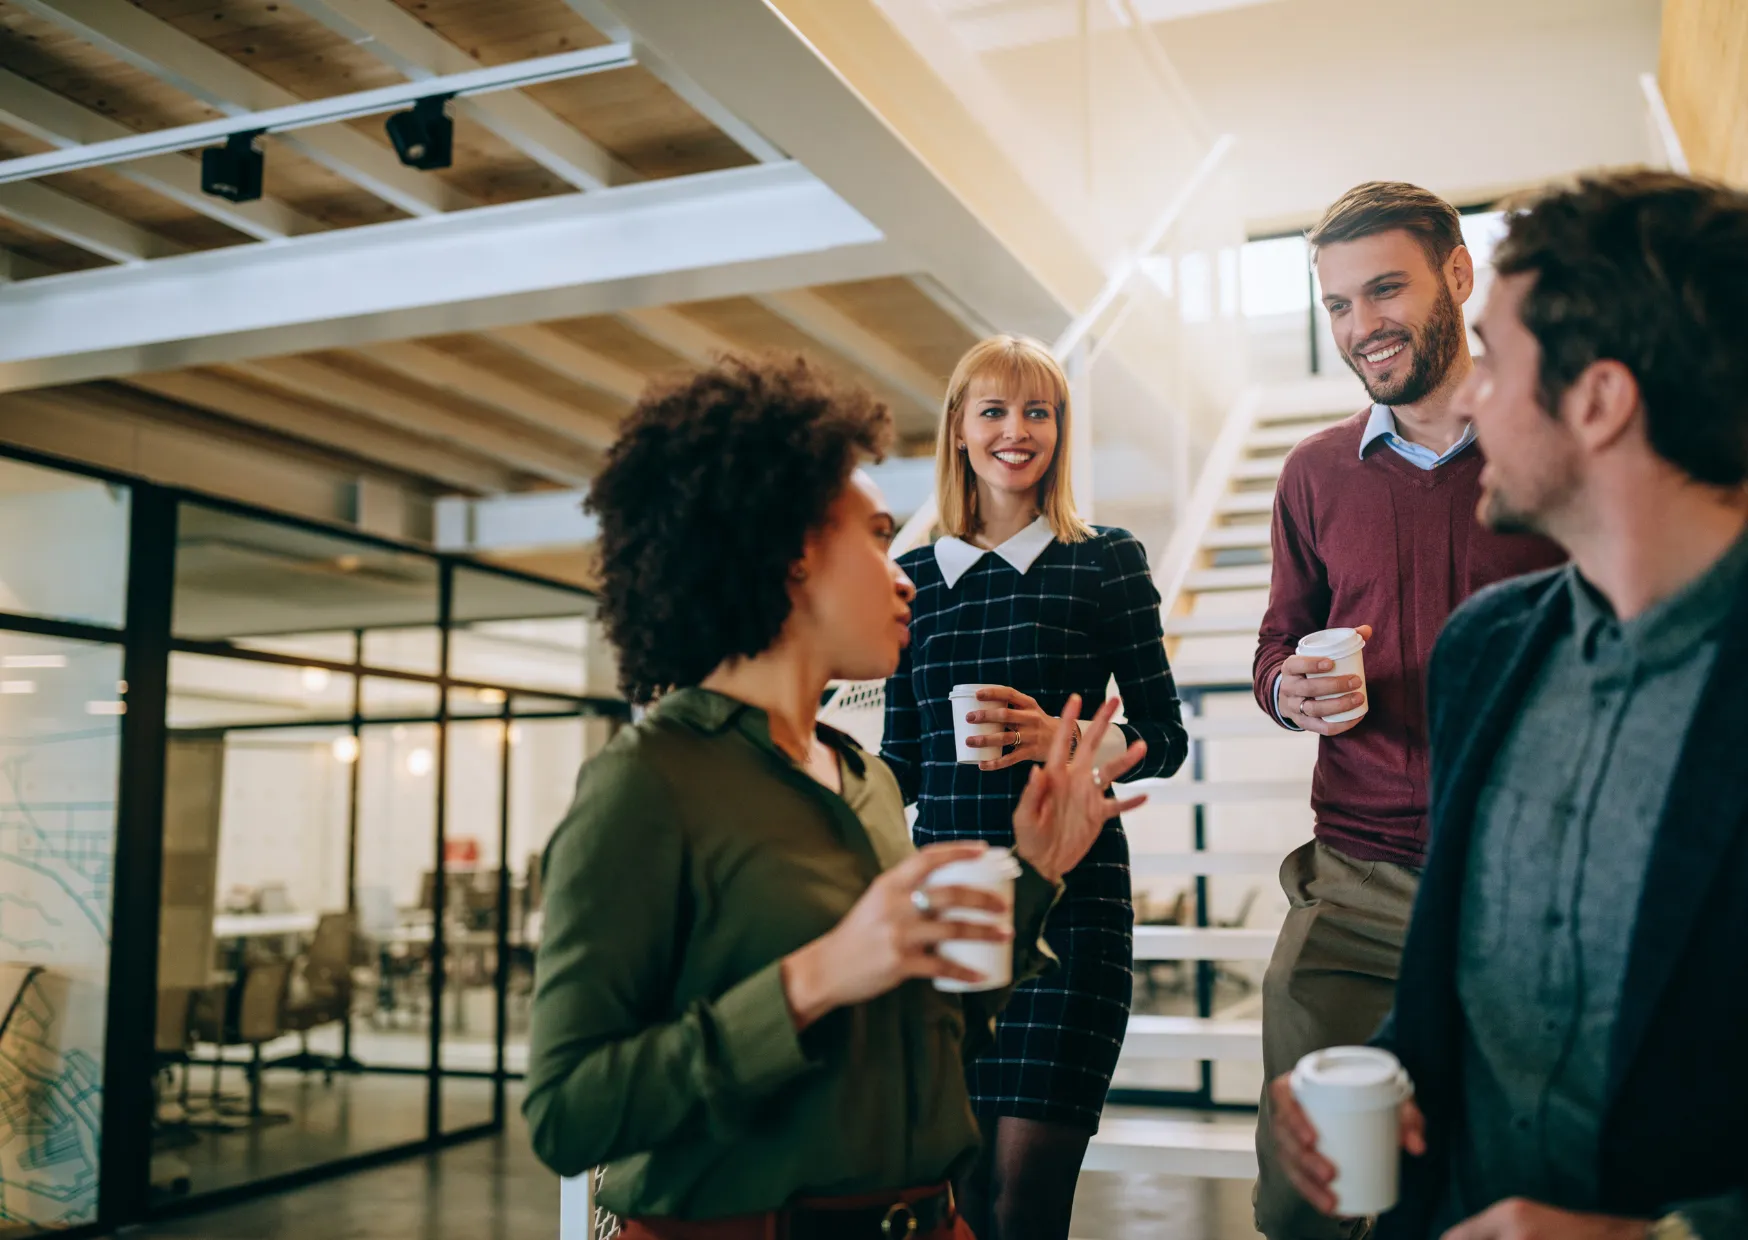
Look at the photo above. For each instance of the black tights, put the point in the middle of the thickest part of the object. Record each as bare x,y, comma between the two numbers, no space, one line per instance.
1022,1187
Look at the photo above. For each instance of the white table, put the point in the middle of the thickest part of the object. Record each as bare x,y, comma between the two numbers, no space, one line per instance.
262,925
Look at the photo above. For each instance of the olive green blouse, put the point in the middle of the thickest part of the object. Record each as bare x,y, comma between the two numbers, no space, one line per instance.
695,857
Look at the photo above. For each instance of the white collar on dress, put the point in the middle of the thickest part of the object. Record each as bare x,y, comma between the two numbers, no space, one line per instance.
956,556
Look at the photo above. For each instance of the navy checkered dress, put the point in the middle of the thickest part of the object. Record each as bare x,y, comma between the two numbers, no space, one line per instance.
1082,613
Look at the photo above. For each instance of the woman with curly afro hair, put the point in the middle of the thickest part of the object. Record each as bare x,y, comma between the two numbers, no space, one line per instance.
740,1009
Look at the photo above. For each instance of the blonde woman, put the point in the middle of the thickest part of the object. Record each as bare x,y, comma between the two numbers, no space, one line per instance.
1025,596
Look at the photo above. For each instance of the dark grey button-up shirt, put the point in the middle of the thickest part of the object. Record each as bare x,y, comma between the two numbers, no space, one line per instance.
1563,835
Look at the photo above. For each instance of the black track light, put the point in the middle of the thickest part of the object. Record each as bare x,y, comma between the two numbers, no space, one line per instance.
424,137
234,170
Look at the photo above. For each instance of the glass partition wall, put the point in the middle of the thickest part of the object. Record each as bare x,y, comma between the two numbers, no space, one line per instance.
325,797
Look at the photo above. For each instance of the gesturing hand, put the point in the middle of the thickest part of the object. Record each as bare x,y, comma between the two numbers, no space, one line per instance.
1302,683
1064,806
885,939
1026,726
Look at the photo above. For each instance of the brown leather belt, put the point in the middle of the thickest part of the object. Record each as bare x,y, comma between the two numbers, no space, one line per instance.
916,1212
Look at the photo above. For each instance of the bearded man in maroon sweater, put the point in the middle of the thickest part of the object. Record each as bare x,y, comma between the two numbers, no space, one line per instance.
1374,529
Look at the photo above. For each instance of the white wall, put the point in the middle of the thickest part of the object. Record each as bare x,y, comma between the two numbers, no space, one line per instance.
1463,99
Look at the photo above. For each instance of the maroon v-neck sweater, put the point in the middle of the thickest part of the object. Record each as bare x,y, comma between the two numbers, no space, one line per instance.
1380,542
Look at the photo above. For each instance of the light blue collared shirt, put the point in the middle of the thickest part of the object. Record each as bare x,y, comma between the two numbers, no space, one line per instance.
1382,425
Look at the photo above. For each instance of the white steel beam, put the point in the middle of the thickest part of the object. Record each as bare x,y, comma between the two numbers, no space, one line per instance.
60,122
428,364
298,420
836,330
316,113
402,40
156,47
61,215
740,232
555,520
599,15
575,362
307,377
759,62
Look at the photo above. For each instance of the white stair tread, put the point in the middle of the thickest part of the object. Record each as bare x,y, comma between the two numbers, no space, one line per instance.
1214,624
1202,943
1192,1037
1218,792
1259,468
1237,537
1223,1150
1242,577
1192,863
1211,675
1285,435
1246,503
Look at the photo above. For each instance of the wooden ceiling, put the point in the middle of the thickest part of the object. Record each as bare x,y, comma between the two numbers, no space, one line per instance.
522,407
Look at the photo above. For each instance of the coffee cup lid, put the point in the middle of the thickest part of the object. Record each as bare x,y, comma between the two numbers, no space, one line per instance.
1332,643
970,691
994,866
1350,1078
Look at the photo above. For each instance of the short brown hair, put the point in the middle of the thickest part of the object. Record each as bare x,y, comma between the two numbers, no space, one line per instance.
1648,269
1381,206
706,503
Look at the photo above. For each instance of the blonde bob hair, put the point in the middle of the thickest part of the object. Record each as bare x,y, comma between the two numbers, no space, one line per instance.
1024,367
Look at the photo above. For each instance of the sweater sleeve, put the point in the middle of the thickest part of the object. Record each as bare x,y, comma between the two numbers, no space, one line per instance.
1298,588
1132,640
901,741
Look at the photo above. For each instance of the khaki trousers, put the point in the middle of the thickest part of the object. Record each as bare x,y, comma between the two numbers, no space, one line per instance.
1330,983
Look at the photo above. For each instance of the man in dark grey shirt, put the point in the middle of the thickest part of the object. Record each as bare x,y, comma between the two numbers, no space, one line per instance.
1573,1004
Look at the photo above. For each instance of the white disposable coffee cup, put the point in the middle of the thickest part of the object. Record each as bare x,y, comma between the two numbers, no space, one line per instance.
1346,647
962,701
1352,1095
993,961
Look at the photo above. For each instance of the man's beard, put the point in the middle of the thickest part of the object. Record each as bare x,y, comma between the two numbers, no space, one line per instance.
1434,349
1498,515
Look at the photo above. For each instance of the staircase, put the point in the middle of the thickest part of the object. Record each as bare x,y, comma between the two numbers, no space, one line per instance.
1219,829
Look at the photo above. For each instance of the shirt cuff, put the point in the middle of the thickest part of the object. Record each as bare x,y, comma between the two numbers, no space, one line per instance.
761,1049
1280,718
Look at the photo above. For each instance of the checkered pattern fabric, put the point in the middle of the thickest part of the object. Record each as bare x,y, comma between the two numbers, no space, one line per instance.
1083,613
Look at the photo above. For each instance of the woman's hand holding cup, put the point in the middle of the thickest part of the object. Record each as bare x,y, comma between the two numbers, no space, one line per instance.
1064,807
1027,729
891,936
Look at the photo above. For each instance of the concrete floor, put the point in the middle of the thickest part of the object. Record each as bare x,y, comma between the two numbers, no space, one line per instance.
493,1189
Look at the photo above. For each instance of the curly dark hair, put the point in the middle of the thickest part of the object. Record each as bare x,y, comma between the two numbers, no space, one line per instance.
705,504
1648,269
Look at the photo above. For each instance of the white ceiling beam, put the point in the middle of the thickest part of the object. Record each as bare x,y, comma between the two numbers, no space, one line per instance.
60,122
678,333
61,215
396,37
602,16
992,256
156,47
575,362
429,364
297,420
310,378
838,332
735,233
